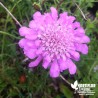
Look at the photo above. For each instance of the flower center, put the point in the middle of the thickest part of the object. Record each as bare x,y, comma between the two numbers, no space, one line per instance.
56,39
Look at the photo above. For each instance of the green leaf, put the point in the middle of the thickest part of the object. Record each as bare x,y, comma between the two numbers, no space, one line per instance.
66,91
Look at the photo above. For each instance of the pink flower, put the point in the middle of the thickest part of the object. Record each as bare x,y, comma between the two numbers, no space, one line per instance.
55,40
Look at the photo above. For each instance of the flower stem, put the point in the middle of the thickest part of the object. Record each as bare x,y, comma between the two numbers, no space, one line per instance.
11,14
5,33
65,80
81,11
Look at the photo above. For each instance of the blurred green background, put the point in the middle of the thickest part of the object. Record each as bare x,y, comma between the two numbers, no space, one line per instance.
16,80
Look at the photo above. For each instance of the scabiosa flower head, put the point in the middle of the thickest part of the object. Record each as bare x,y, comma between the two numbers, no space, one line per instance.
55,40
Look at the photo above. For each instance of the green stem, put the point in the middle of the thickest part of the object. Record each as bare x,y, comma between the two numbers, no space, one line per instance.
2,32
11,14
65,80
80,10
15,5
3,43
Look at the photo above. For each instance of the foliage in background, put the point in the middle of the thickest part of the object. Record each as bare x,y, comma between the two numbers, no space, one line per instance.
16,80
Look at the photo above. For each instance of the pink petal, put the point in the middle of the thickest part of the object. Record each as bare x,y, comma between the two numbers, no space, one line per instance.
22,42
83,48
71,67
31,36
84,39
47,58
75,55
63,57
37,15
39,50
36,62
47,18
76,25
68,55
79,32
62,19
62,64
54,70
30,44
24,30
33,24
28,33
71,19
45,64
37,42
54,13
63,15
30,53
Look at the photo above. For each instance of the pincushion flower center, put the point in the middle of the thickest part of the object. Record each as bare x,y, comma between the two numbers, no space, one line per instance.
56,39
